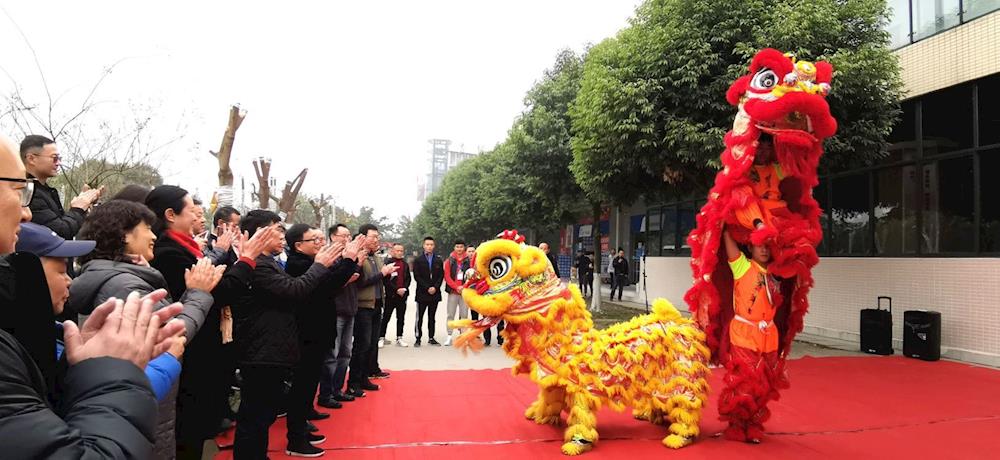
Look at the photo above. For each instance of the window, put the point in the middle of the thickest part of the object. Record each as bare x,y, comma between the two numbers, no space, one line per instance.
933,16
653,232
989,111
989,195
977,8
820,194
896,198
948,202
850,216
899,23
669,229
947,120
685,216
902,140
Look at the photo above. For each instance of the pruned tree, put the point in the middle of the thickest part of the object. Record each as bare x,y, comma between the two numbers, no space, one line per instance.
286,203
224,155
262,167
319,207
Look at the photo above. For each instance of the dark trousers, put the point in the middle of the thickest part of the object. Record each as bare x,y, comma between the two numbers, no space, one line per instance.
618,282
373,367
586,283
488,334
399,306
261,394
431,309
304,382
364,322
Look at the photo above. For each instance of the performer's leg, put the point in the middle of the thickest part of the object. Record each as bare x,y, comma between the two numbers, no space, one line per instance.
581,434
738,400
547,409
774,379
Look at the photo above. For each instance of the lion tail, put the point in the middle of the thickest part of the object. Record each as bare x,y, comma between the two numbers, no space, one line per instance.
663,310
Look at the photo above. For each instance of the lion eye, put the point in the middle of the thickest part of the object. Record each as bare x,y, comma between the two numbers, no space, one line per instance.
499,267
765,79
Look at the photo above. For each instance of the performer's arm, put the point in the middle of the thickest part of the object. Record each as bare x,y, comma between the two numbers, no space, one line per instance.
732,250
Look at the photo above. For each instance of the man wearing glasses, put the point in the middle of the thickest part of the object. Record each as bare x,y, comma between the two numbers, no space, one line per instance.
42,160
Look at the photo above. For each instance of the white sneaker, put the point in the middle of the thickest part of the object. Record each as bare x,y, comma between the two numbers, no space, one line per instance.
381,342
401,343
447,342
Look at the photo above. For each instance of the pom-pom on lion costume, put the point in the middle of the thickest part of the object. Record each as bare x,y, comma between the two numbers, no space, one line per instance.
655,363
763,196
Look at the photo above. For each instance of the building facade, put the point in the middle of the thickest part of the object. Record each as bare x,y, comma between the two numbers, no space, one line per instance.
442,160
923,224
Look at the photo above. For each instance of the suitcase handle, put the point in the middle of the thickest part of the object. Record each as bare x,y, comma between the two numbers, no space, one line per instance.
880,298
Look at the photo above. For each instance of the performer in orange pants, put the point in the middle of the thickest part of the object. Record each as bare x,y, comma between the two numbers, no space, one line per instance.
755,371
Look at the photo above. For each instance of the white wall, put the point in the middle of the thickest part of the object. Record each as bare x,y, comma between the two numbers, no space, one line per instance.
965,290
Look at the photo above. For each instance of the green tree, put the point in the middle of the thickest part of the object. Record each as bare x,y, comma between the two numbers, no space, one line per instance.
99,173
651,114
539,145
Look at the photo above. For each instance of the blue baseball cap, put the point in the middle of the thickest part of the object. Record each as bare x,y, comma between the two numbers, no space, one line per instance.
43,242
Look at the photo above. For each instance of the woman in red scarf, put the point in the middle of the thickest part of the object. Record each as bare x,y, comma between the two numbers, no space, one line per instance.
202,400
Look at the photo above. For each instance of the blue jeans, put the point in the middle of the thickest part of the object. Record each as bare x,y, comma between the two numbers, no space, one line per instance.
337,359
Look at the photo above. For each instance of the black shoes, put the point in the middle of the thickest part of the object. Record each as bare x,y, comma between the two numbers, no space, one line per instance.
416,344
355,392
329,404
315,438
433,342
343,397
303,449
368,386
311,428
380,375
317,415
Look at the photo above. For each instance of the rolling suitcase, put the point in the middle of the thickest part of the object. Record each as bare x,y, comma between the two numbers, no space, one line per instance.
922,334
876,329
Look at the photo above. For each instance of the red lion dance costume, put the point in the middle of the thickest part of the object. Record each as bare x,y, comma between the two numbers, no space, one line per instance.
783,117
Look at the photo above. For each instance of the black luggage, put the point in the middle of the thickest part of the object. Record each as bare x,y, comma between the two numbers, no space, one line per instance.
876,329
922,334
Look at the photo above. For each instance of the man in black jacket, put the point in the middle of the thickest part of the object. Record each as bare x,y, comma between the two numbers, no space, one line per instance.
397,290
267,336
317,323
585,273
428,271
42,160
620,278
552,258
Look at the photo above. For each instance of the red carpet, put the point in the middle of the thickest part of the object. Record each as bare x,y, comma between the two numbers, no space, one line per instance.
837,408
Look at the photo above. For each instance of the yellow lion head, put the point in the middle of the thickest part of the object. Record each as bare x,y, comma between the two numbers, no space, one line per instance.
509,279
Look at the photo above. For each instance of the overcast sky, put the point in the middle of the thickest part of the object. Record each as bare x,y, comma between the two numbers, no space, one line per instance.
351,90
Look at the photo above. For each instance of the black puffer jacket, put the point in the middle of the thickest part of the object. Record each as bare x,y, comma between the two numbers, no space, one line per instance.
266,332
317,318
46,209
106,410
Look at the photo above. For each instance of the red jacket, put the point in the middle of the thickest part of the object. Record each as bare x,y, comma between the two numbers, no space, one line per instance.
452,269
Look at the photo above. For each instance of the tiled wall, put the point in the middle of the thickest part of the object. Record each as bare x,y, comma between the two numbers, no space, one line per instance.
964,53
965,290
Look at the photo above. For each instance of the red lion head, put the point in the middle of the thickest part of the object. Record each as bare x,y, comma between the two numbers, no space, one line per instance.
786,100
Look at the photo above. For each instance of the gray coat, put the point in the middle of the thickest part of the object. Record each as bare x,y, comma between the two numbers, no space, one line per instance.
100,279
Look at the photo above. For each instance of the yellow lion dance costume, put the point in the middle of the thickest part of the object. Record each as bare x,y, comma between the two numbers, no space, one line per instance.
655,363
